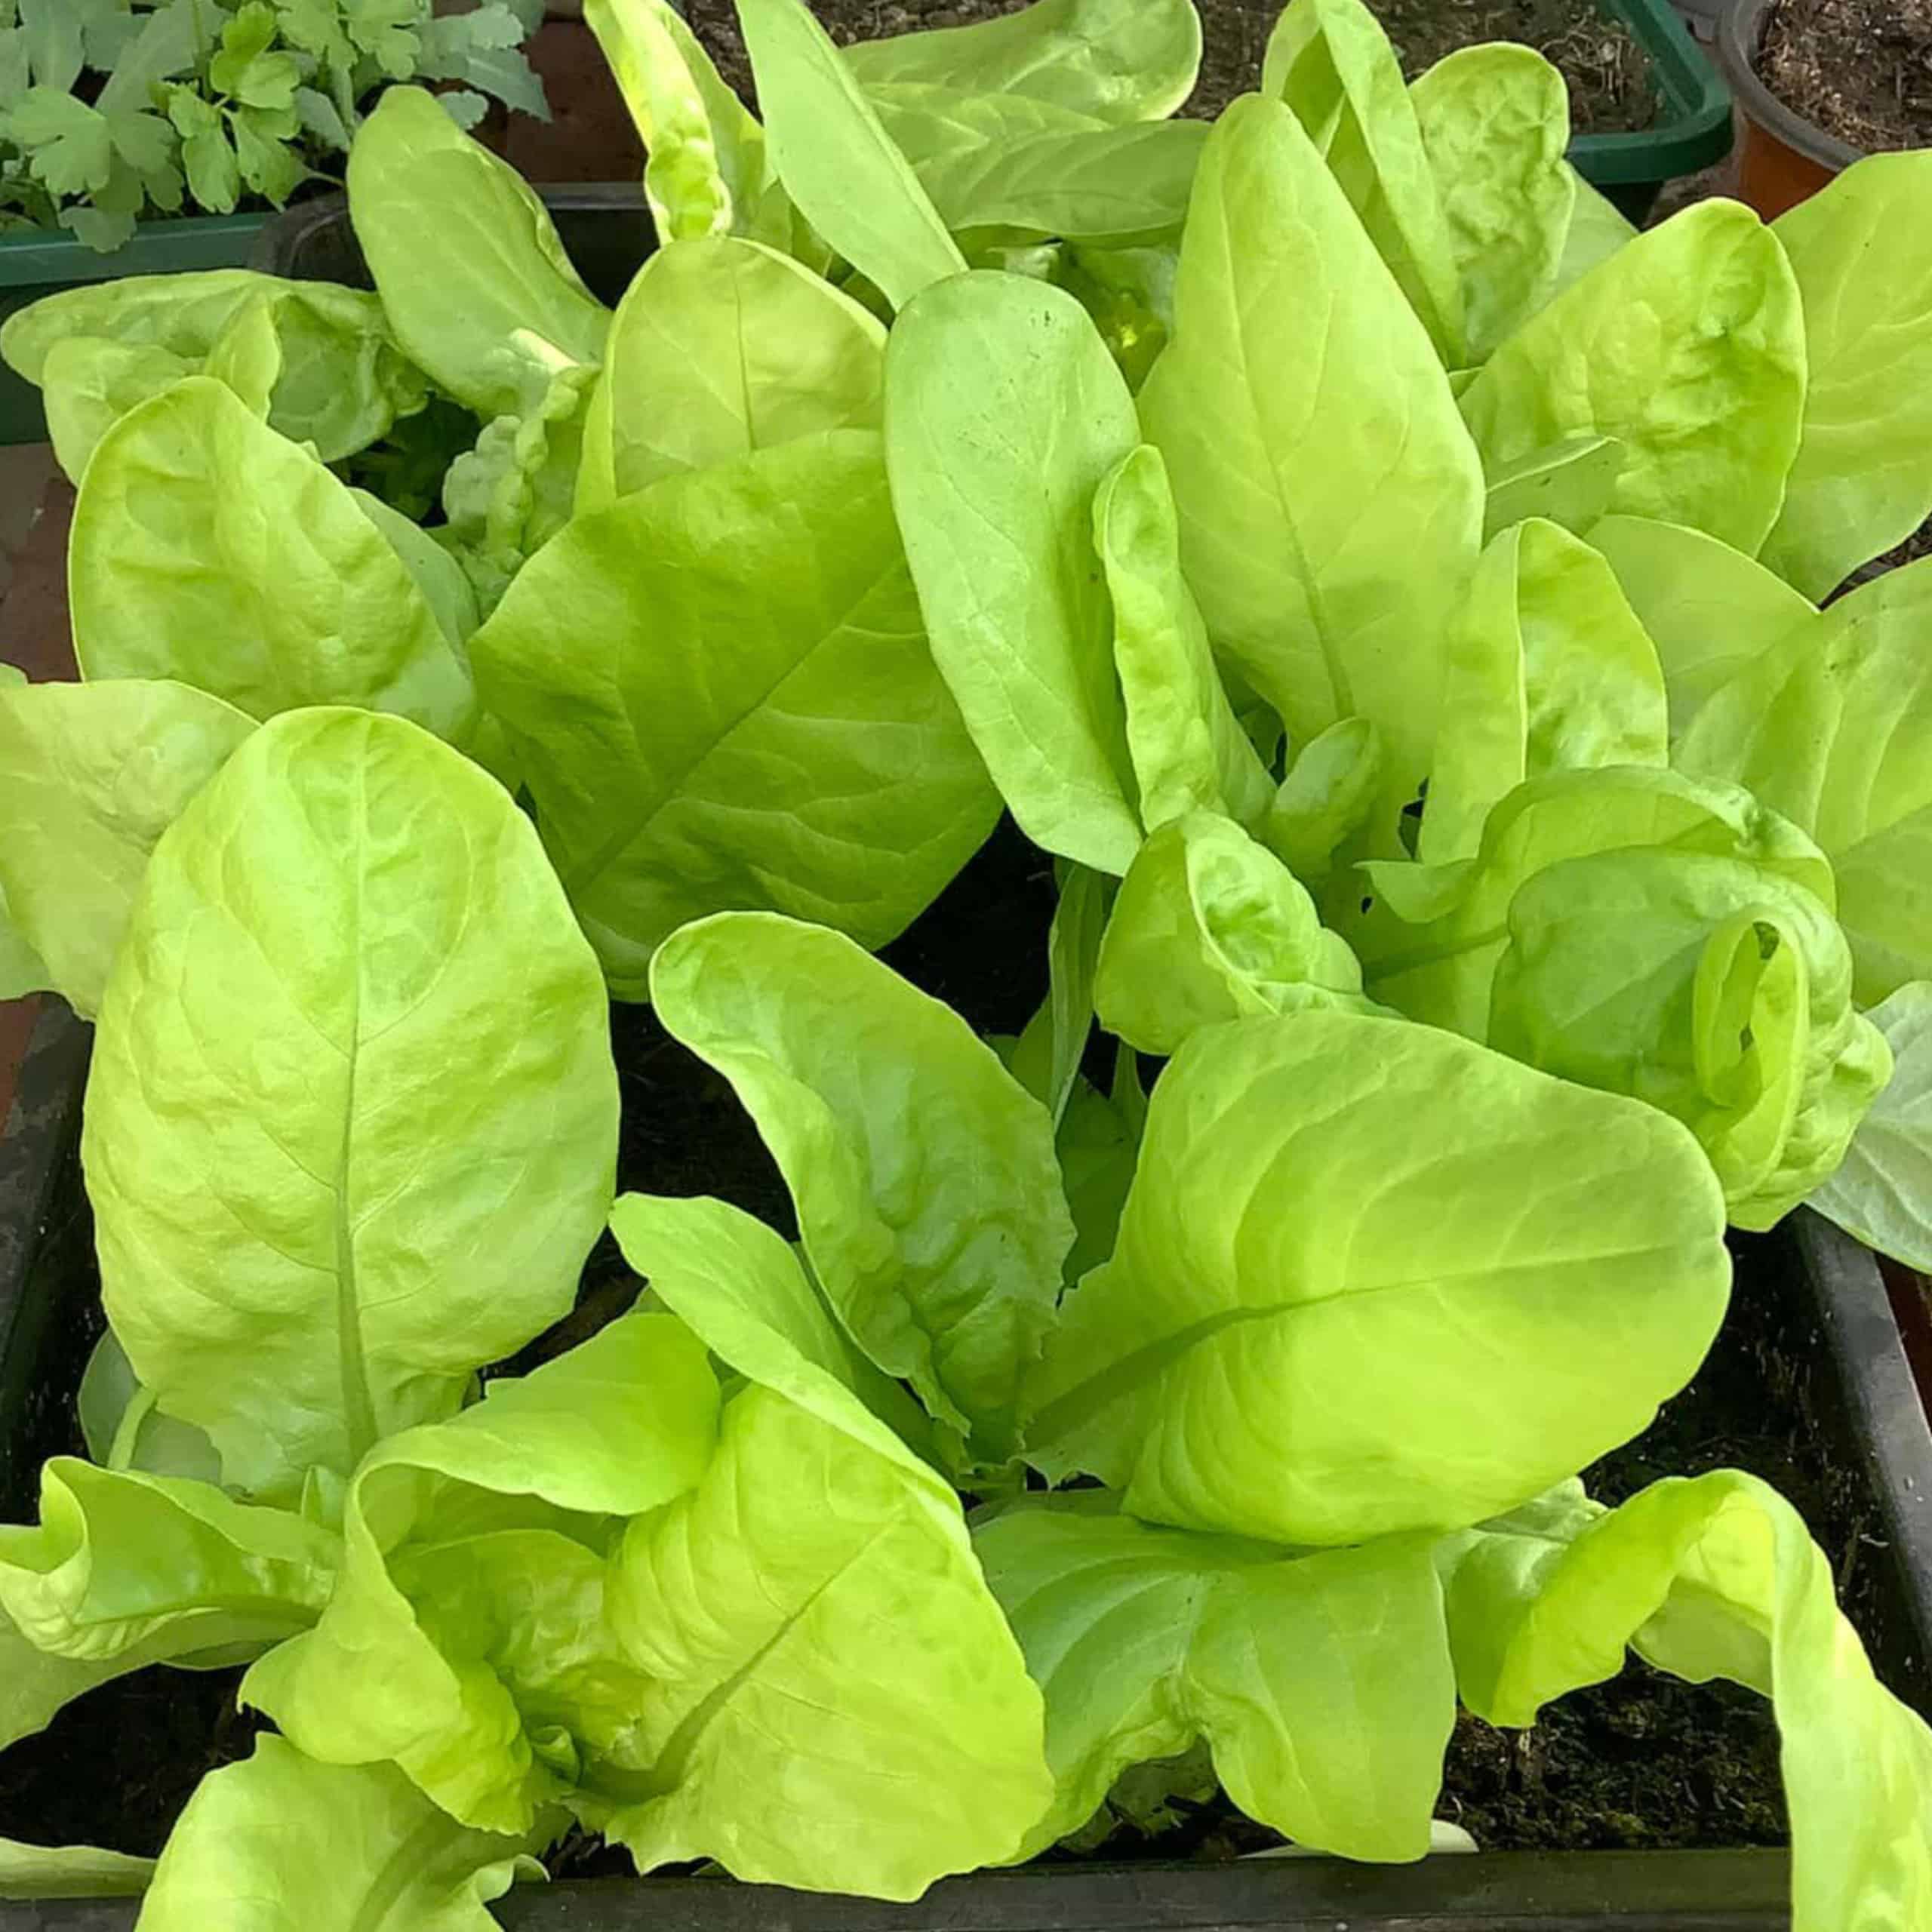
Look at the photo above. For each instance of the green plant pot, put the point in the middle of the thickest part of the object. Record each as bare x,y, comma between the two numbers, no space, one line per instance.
1694,129
42,262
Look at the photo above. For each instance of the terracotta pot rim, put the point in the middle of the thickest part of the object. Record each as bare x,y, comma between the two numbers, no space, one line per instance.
1741,33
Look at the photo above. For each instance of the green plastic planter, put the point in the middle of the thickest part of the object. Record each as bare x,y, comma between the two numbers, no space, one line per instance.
1693,130
42,262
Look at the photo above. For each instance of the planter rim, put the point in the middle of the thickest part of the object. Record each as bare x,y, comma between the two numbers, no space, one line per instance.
1696,131
194,242
1520,1891
1741,35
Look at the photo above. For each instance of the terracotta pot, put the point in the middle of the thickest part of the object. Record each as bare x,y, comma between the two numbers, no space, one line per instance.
1784,158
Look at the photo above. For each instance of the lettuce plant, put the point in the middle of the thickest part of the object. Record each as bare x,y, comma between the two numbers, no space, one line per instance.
703,1582
1398,598
111,110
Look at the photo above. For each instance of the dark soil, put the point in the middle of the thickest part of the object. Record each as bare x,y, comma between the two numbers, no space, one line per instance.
1606,69
1861,69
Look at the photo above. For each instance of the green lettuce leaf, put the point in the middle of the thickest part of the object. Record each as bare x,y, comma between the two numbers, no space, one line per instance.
209,549
1882,1192
1099,1146
1833,726
1431,946
1571,483
124,1430
1032,170
1598,230
1329,506
927,1193
89,382
1114,61
339,381
838,164
742,1289
1495,122
1329,792
721,694
1713,1577
708,171
1545,668
1316,1380
289,1263
475,283
811,1619
723,347
1861,250
1709,610
1189,751
91,776
1707,398
467,1641
1211,926
1330,62
131,1567
507,497
1046,1058
1322,1683
32,1871
1004,414
278,1841
1715,990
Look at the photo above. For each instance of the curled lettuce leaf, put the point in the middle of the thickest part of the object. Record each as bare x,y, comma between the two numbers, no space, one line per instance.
123,1564
1430,944
1211,926
1713,989
507,497
468,1640
1713,1577
1330,788
708,171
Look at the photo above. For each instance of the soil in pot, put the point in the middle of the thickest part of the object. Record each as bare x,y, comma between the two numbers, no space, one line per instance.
1860,69
1642,1762
1609,87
